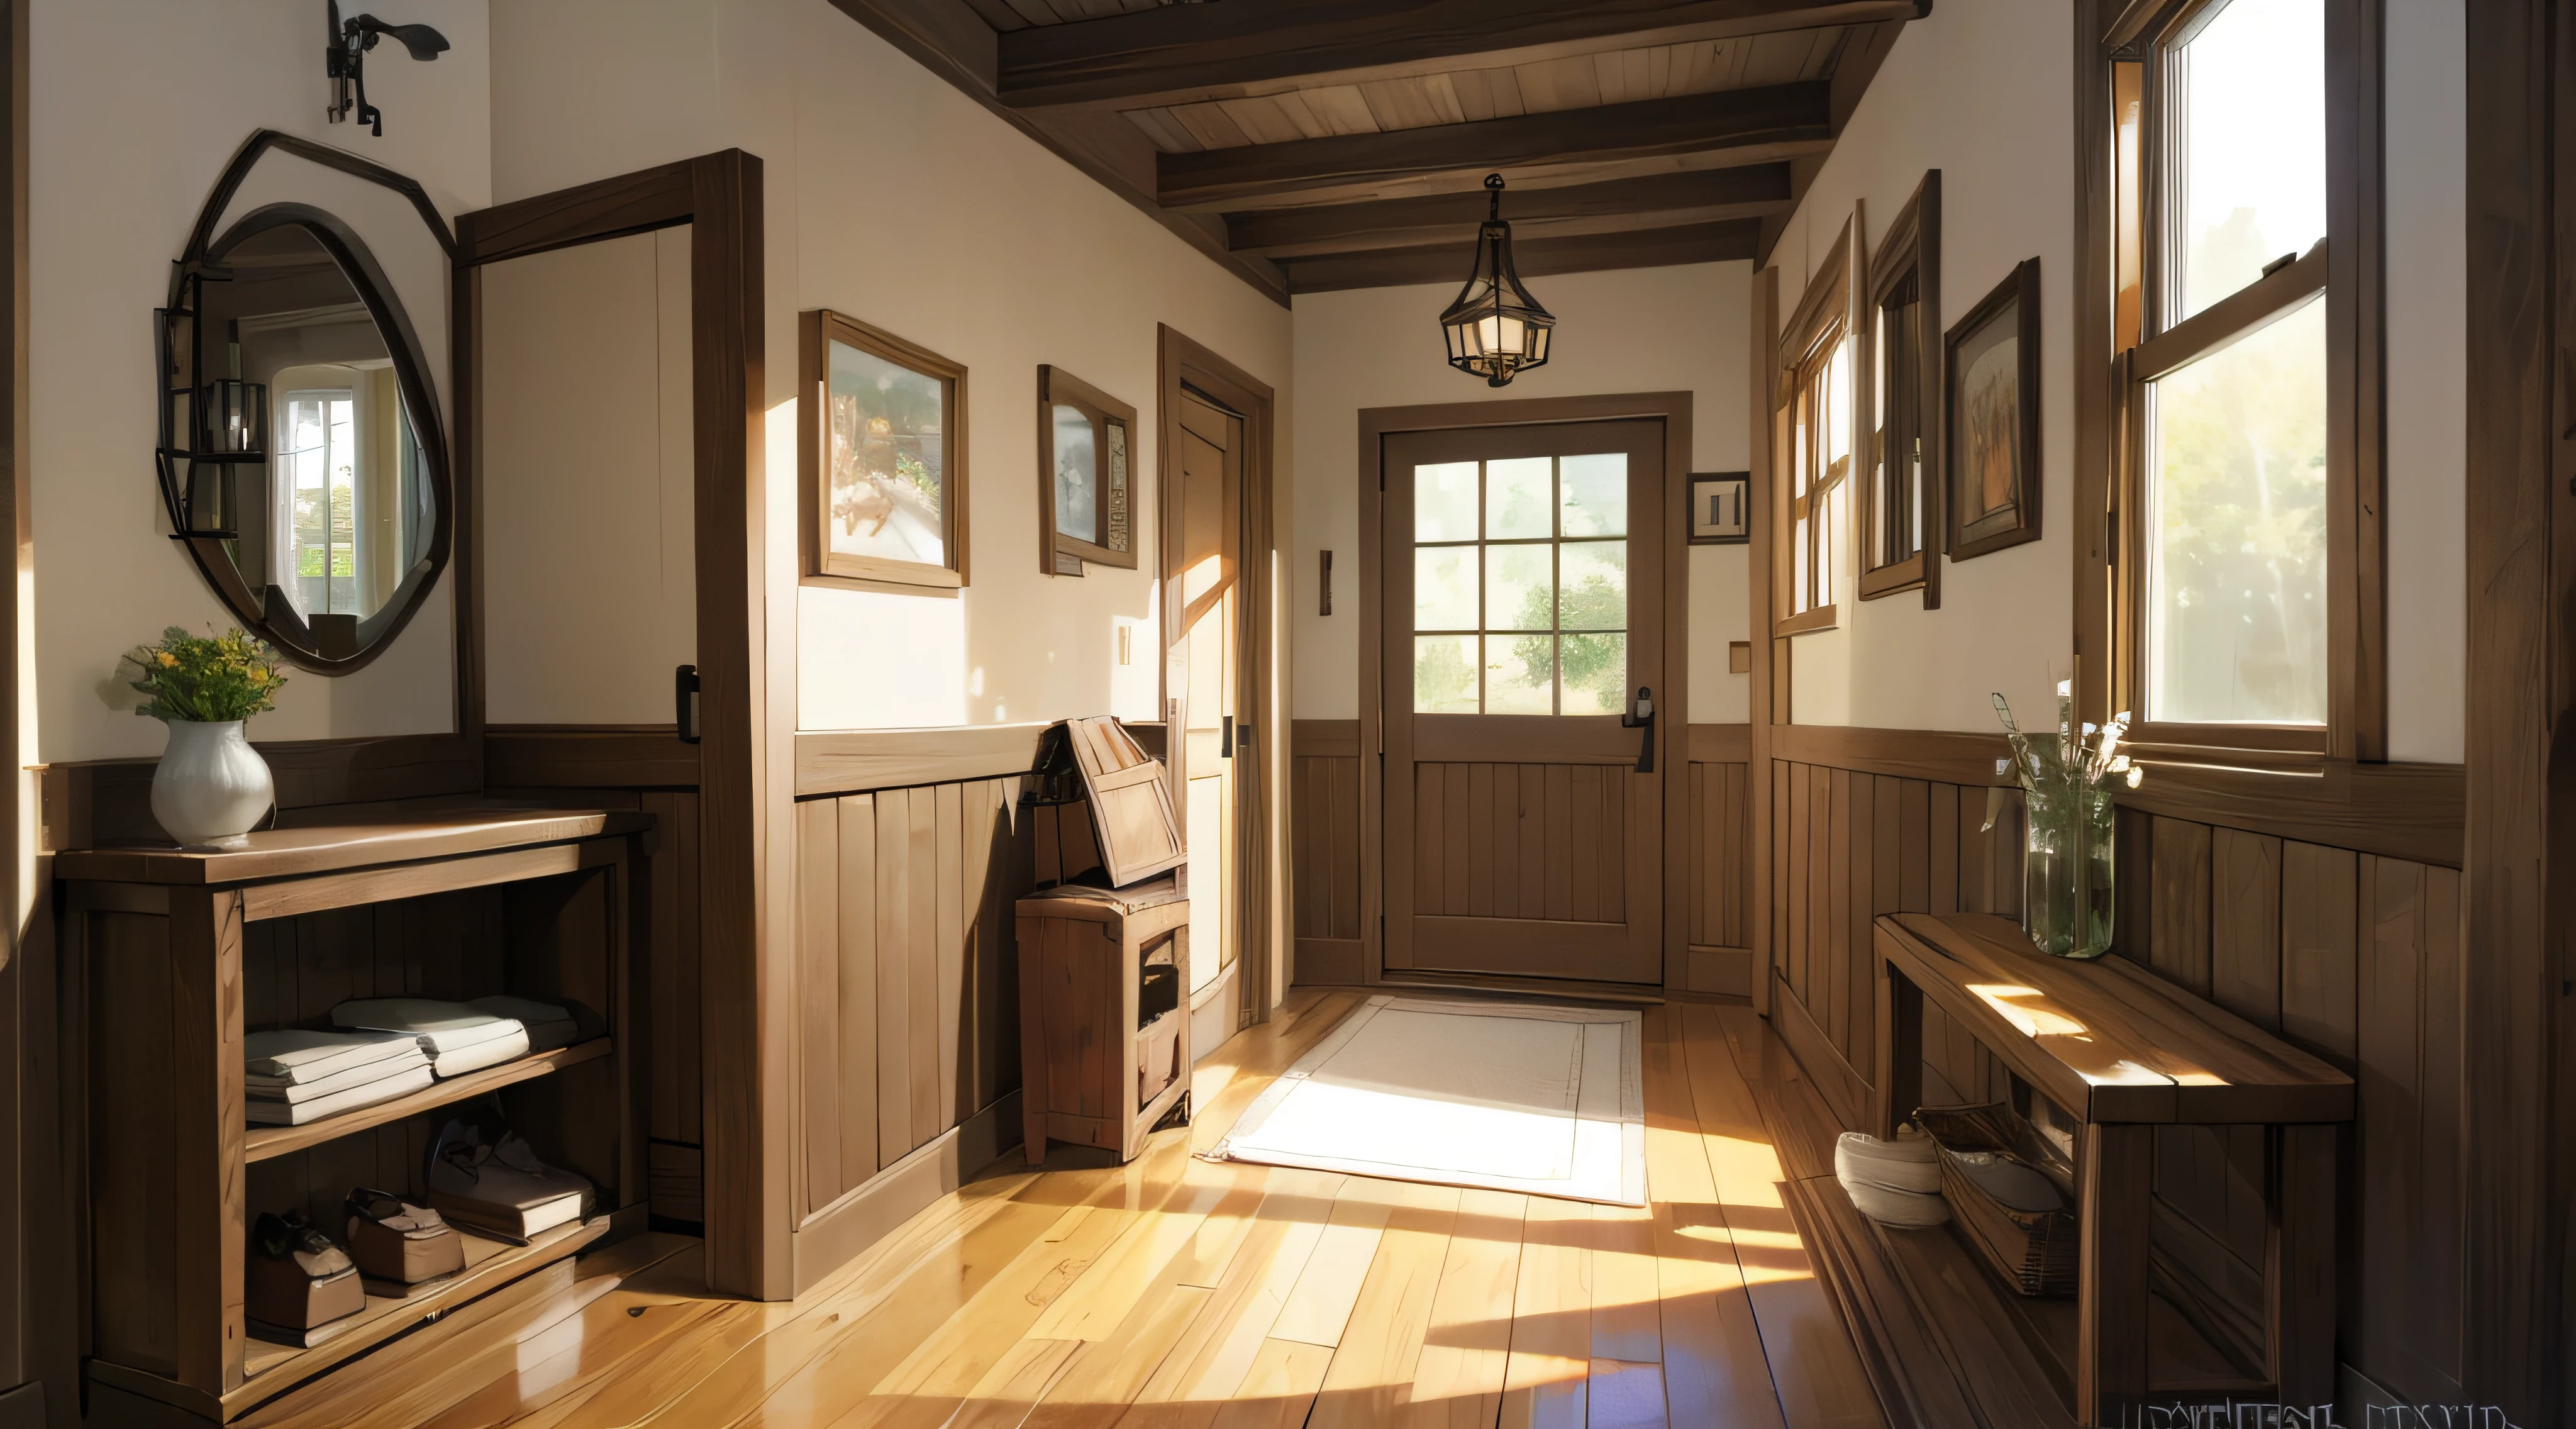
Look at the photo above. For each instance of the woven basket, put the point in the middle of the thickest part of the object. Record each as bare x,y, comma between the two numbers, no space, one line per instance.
2036,1251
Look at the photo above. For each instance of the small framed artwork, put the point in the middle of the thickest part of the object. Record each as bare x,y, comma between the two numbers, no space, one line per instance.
1086,446
1990,405
1720,513
881,457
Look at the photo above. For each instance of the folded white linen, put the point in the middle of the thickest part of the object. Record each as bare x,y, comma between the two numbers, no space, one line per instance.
1890,1207
489,1053
549,1026
442,1027
275,1113
297,1055
1909,1163
272,1090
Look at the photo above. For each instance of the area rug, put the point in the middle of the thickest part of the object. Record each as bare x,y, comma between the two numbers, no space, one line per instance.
1510,1096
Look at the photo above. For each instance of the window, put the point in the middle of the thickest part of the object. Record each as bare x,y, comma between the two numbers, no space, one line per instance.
883,457
2233,506
316,514
1818,427
1520,586
1901,512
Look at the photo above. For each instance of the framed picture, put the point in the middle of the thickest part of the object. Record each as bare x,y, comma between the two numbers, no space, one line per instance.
1990,406
1720,508
1086,448
881,457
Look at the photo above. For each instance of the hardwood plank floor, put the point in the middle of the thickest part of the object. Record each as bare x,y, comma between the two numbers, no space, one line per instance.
1176,1293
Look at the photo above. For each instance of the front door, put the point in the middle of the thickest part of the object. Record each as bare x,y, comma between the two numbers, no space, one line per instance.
1205,573
1523,578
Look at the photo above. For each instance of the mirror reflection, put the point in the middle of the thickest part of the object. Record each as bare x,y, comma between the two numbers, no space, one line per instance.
342,509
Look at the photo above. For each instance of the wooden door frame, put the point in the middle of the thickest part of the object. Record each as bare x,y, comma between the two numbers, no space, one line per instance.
748,1218
1672,710
1261,872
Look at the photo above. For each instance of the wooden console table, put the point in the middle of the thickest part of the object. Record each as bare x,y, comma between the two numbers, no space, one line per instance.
2124,1051
174,955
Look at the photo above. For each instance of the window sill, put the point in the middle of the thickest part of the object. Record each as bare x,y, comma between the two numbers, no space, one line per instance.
1894,579
1823,617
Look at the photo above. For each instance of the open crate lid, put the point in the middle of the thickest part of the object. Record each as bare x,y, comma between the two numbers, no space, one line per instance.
1131,801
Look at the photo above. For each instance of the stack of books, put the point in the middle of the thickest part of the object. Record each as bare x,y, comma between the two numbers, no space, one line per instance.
456,1037
296,1076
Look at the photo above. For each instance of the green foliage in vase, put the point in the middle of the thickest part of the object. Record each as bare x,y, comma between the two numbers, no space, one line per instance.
207,679
2079,768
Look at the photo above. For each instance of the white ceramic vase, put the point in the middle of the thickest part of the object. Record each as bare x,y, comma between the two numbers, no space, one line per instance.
211,786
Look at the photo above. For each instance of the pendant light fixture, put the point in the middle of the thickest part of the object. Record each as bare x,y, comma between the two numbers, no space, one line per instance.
1496,330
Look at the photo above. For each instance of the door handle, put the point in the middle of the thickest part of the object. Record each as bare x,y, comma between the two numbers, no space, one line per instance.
1642,716
684,700
1225,738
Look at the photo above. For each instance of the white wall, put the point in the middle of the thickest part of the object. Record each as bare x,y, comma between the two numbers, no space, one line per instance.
895,199
134,108
1979,90
1635,330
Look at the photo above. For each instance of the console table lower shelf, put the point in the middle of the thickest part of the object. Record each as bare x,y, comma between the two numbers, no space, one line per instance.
271,1369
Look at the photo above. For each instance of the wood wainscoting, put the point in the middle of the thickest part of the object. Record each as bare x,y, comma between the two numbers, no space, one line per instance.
906,1041
1332,926
2351,953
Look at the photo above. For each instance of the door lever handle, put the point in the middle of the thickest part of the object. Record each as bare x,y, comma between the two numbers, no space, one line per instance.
1643,717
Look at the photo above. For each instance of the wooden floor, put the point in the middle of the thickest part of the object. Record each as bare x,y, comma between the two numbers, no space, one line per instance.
1180,1292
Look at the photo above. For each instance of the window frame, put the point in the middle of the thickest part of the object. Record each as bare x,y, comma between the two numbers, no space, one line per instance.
2129,335
1823,319
1911,248
817,330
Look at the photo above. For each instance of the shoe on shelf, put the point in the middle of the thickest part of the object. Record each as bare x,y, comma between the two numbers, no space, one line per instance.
296,1279
392,1239
490,1181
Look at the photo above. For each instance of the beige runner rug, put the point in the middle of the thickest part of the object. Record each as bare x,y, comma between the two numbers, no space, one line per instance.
1511,1096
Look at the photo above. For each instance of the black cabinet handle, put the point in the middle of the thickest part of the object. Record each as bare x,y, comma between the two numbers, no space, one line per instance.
684,700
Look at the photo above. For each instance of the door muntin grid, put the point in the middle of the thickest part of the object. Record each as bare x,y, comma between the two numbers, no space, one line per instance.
1520,585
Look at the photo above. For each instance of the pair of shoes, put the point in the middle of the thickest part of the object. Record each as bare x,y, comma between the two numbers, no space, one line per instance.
392,1239
297,1281
490,1181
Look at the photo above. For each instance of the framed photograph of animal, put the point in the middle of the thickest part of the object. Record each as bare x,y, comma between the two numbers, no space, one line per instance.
881,457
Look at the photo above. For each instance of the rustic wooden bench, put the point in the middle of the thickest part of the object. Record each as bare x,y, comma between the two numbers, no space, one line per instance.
2123,1052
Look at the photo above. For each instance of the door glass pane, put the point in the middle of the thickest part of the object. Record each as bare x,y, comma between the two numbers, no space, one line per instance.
1444,588
1595,675
1594,494
1596,585
1520,674
1444,674
2236,566
1518,497
2249,177
1520,590
1444,502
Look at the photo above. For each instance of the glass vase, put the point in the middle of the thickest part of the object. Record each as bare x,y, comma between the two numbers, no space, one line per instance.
2066,899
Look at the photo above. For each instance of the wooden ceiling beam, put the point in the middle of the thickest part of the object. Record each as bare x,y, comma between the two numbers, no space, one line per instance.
1652,248
1699,131
1621,205
1180,54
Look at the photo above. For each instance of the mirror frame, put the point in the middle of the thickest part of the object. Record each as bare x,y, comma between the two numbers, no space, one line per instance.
282,628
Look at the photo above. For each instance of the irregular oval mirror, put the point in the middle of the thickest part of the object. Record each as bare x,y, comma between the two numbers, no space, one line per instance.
303,464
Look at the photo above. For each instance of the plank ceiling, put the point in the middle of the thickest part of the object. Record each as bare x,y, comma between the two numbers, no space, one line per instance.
1321,144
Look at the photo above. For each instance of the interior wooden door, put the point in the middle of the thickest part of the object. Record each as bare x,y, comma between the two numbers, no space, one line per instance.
1208,674
1523,580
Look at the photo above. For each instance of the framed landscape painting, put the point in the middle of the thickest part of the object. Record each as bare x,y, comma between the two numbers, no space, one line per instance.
1991,403
883,457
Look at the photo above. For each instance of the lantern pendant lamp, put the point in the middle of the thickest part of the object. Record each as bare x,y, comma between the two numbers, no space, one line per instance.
1496,330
